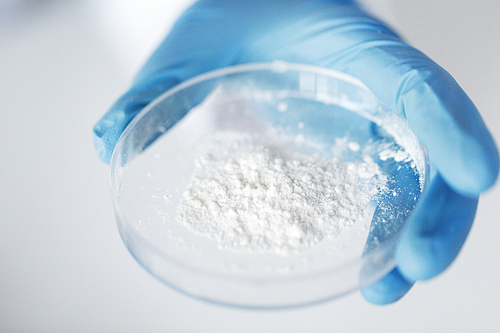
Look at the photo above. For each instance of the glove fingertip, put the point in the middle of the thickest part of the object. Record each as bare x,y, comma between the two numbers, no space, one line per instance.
418,260
475,171
387,290
435,232
426,256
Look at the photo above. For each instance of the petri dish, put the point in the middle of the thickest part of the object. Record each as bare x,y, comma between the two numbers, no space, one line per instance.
297,108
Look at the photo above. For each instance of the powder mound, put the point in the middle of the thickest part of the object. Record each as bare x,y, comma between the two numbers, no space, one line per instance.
255,199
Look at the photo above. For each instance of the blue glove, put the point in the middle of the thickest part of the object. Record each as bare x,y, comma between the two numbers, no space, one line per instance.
340,35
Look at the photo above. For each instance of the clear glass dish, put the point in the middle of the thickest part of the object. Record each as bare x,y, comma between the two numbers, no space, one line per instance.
154,160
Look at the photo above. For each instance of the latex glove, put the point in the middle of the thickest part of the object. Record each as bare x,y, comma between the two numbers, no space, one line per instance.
341,36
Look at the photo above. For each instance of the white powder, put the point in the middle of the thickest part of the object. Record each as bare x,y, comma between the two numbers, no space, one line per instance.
252,198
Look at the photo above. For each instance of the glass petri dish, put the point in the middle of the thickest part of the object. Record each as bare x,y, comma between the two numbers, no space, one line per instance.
297,108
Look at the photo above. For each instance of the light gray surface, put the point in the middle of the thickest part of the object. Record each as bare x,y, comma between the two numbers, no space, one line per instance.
63,266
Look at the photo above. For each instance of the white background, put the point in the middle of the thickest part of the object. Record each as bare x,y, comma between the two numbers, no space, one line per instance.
63,266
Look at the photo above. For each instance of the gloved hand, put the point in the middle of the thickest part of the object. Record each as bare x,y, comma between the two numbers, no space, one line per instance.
340,35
